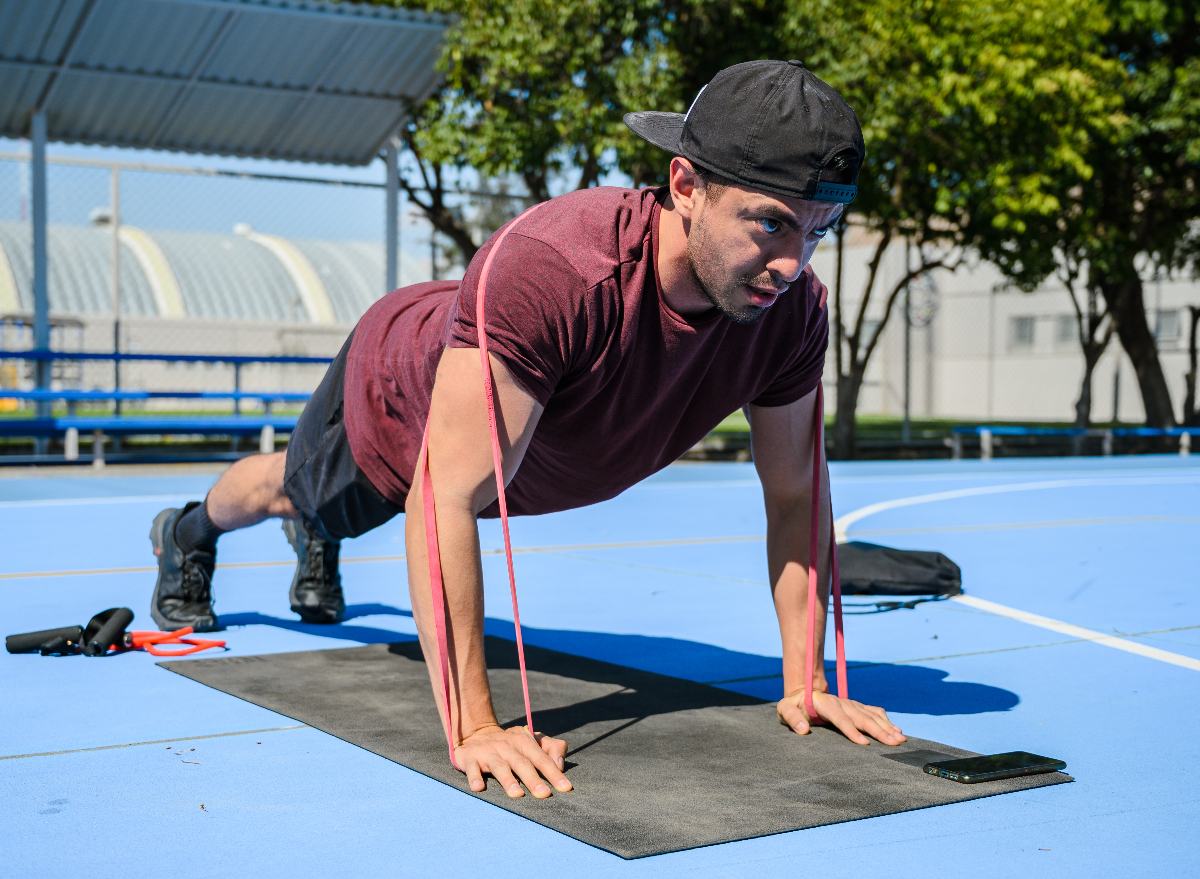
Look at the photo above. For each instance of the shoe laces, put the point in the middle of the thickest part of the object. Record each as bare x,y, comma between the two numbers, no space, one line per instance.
196,581
321,558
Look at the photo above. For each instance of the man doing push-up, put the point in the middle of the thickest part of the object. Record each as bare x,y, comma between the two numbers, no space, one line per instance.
622,326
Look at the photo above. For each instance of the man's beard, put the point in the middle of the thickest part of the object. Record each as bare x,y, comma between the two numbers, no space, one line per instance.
707,271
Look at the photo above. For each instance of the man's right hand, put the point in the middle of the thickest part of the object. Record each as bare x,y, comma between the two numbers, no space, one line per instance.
511,754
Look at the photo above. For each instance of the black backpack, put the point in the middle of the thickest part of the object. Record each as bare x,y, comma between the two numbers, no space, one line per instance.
870,569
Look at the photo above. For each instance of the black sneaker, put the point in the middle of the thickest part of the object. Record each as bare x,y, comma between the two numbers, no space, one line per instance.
183,594
316,592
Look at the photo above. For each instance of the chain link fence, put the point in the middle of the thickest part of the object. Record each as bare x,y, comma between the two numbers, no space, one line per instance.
196,261
222,263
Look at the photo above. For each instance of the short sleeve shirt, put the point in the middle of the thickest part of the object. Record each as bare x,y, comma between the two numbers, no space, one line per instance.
575,311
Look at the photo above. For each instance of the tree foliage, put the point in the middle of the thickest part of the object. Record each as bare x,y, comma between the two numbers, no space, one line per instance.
1022,131
971,113
1137,212
536,89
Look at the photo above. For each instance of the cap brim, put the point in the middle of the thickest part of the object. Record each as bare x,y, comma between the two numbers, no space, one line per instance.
664,130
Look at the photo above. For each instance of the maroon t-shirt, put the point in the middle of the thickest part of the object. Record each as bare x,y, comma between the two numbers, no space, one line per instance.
575,310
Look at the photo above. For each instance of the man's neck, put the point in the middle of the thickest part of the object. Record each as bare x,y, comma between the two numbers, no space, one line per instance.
679,287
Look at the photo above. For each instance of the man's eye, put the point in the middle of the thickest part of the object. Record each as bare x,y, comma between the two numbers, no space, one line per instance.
823,231
769,226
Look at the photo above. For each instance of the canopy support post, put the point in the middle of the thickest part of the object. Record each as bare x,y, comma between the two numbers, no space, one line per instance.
41,297
393,219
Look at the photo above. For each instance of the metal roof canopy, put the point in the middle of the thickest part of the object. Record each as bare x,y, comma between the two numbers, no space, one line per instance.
282,79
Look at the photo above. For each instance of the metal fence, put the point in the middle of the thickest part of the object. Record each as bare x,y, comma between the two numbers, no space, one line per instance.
211,262
166,259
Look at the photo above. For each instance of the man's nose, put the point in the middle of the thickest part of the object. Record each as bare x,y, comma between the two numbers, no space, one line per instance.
785,268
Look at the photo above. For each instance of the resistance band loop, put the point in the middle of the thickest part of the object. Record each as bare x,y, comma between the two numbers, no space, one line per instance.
814,553
430,512
435,568
152,642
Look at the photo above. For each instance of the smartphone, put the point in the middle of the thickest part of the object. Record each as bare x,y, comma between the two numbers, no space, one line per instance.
989,767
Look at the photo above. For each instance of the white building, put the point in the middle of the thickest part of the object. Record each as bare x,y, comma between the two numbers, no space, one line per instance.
988,351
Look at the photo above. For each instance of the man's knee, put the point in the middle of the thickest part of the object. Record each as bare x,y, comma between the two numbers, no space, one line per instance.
274,492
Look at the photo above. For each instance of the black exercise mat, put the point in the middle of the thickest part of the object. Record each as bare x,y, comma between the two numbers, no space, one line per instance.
659,764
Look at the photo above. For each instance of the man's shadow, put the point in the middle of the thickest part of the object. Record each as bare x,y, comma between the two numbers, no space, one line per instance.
900,688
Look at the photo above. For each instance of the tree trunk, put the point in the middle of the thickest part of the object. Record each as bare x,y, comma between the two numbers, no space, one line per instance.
1126,303
1191,418
845,427
1083,406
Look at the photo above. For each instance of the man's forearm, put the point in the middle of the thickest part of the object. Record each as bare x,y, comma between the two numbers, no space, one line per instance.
788,535
458,537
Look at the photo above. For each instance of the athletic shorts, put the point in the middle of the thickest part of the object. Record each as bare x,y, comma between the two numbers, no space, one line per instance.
334,497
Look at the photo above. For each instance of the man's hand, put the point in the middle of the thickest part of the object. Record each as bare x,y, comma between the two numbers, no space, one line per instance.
852,718
503,752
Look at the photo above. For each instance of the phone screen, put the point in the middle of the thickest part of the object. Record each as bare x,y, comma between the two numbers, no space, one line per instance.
1013,763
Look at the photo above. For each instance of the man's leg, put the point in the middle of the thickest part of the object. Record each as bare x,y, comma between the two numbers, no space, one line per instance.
185,539
249,492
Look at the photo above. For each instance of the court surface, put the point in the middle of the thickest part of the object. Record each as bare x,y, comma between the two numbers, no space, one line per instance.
1088,650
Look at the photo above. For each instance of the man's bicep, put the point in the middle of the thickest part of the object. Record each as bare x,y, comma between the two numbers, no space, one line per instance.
460,457
782,439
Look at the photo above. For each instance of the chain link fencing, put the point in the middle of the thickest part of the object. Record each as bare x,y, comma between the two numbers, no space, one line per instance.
222,263
205,262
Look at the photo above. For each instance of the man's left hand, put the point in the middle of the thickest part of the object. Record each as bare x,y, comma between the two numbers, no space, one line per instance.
850,717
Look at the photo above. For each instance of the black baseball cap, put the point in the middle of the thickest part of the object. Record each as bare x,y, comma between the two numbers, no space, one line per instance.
770,125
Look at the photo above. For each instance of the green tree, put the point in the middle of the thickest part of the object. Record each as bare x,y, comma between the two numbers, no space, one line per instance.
1137,213
971,113
535,89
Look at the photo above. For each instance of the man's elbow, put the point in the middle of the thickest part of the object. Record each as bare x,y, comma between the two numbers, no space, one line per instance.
782,505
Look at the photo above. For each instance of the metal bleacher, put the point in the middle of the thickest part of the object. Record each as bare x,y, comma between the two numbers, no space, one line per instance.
266,425
989,436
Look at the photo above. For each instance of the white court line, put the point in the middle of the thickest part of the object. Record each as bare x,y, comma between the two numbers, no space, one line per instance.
842,524
1019,526
90,501
1078,632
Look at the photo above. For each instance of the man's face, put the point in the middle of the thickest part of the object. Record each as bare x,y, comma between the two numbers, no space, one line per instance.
745,248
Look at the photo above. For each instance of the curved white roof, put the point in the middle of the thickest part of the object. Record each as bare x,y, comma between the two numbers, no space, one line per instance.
245,276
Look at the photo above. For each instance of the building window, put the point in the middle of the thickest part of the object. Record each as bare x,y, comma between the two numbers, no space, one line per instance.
1166,326
1066,329
1020,332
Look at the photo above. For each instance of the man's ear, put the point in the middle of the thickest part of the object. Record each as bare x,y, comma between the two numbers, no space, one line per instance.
686,187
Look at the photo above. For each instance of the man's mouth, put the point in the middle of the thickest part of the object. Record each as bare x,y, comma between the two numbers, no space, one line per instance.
762,296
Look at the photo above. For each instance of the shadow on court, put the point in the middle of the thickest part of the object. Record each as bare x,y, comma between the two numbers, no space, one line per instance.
906,689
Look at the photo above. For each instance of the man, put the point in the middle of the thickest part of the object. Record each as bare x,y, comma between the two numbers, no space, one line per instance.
622,326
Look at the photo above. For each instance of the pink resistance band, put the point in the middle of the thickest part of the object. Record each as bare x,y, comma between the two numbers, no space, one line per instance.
810,649
430,512
437,587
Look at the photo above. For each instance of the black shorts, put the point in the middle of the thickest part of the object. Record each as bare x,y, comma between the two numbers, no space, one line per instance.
334,497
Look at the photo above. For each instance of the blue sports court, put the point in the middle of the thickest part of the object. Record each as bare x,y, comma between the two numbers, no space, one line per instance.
1077,638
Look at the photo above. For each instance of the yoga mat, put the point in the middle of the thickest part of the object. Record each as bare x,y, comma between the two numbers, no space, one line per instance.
659,764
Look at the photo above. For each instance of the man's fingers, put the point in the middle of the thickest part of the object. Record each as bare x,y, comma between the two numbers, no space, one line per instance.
839,718
516,760
548,764
866,720
530,775
507,780
795,717
880,715
556,749
475,777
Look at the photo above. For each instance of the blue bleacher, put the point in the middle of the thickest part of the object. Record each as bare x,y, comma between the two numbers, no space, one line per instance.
236,424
